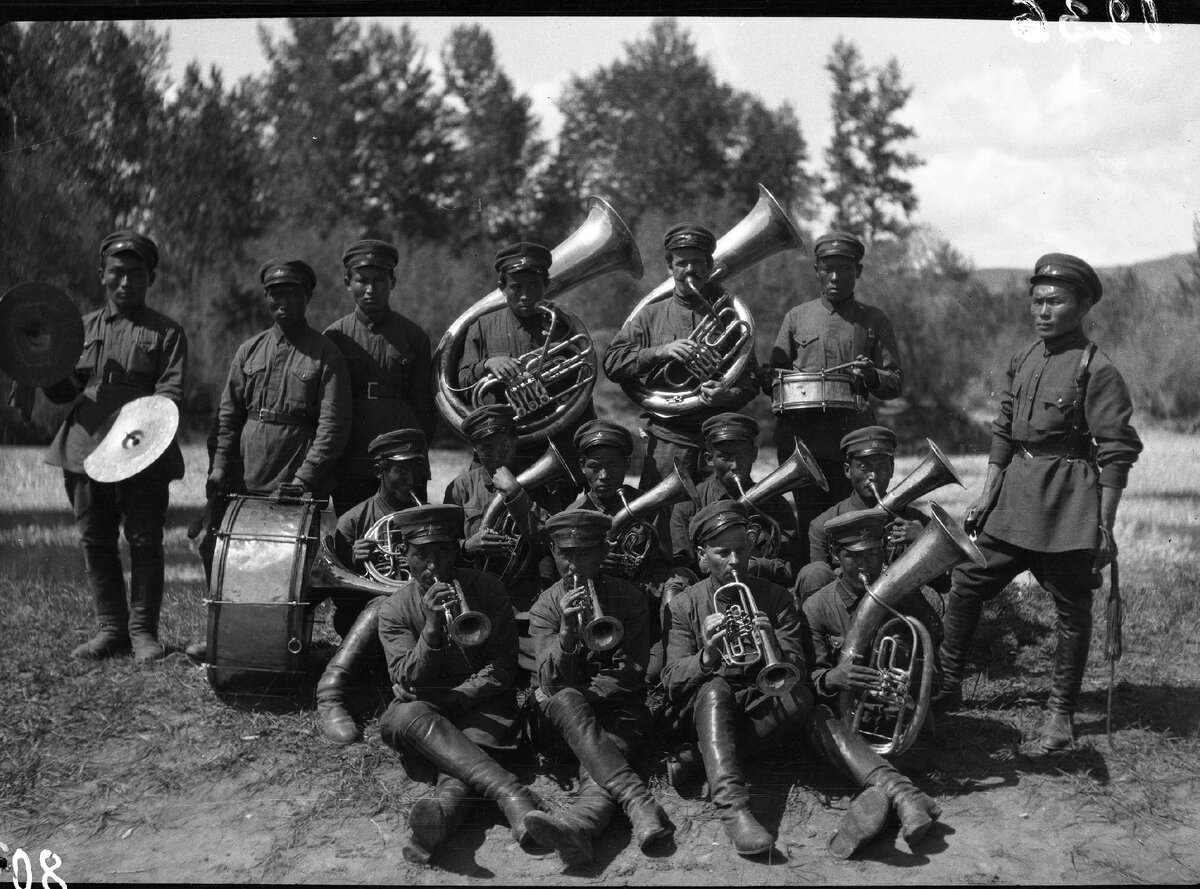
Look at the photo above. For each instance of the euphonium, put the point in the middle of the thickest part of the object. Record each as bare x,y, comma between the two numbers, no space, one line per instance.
941,546
728,332
799,469
557,380
745,645
932,473
466,627
632,539
598,631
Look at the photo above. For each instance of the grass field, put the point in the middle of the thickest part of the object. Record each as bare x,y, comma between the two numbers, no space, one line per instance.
137,774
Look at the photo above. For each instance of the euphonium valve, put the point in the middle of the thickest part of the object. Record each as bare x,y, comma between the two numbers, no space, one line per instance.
466,627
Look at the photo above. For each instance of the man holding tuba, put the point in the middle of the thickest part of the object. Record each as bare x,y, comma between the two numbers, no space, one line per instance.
591,632
834,332
660,337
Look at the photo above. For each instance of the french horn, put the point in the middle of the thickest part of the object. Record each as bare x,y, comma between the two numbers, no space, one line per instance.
557,379
727,333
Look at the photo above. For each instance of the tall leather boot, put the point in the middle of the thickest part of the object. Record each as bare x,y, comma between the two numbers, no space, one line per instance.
433,818
437,739
958,625
108,600
605,762
715,730
336,722
146,570
1070,662
867,813
574,831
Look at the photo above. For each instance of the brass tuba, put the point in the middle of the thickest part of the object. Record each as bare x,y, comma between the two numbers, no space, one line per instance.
728,332
870,637
745,645
799,469
633,538
557,380
932,473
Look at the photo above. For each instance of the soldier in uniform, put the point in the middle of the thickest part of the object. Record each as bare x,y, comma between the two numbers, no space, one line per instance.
390,364
454,705
1062,447
730,449
830,332
870,459
129,351
400,463
592,700
661,333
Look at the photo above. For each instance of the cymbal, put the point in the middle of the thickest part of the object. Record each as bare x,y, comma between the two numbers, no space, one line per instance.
41,334
141,431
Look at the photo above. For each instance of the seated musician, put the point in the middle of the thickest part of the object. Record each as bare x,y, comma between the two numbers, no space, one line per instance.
870,460
400,466
605,449
589,689
496,343
660,334
455,704
730,449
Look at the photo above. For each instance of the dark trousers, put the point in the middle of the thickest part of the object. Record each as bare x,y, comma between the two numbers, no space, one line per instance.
625,722
761,720
1066,576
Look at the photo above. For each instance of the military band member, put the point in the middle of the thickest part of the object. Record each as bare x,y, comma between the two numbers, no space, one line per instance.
825,333
661,333
1062,447
870,461
389,360
454,705
129,351
730,449
592,700
400,463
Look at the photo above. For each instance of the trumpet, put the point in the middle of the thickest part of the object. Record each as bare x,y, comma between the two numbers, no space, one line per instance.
467,627
745,645
598,631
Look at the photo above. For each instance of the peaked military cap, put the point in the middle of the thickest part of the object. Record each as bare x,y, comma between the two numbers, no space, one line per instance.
603,433
715,518
869,440
578,527
128,241
523,255
837,243
402,444
434,523
281,270
1063,268
371,252
488,420
688,234
729,426
859,530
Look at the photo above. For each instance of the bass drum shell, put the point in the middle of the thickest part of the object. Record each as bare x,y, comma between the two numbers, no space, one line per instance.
260,619
801,390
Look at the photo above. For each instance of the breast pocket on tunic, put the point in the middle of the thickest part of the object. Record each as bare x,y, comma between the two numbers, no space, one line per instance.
304,387
89,358
806,338
1054,409
397,366
144,359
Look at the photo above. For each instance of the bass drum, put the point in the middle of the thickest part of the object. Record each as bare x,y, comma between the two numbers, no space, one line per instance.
260,619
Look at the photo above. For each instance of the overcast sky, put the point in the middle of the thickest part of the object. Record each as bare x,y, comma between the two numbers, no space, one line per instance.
1076,144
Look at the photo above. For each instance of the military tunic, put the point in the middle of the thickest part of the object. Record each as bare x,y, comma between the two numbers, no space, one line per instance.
285,411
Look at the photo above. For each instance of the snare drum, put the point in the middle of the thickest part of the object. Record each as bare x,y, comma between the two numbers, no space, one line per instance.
259,620
794,390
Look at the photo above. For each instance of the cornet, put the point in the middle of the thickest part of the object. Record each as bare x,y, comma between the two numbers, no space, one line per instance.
598,631
466,627
745,645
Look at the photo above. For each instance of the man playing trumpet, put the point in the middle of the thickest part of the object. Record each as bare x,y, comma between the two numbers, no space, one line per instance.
660,335
455,699
592,637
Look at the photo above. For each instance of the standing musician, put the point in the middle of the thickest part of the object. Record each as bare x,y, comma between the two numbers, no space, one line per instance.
495,343
400,464
870,460
1062,447
730,449
455,704
591,631
389,359
661,333
129,351
835,331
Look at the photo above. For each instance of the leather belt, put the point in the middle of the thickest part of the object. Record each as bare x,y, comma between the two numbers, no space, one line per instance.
1046,449
373,393
279,418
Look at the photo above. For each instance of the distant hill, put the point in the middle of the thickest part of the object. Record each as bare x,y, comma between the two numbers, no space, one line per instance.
1154,273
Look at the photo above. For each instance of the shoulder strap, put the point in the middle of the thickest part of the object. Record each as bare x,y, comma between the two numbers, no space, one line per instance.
1081,381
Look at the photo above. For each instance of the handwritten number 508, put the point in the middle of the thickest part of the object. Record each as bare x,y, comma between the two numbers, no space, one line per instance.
1031,27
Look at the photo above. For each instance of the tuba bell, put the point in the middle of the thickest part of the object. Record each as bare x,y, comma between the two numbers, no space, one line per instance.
727,333
932,473
328,575
557,380
799,469
940,547
633,538
744,645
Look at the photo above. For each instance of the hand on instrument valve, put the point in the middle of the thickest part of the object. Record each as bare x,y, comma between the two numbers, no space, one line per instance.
504,367
573,603
217,484
848,676
688,352
902,532
864,369
363,549
714,632
435,599
486,541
